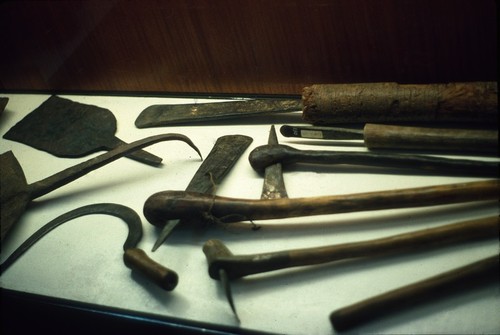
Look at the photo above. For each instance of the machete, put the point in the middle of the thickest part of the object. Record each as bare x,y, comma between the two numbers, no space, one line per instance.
134,258
167,115
220,160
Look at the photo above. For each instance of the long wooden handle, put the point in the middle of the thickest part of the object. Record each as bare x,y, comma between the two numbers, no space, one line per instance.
169,205
136,259
460,279
472,102
379,136
267,155
236,266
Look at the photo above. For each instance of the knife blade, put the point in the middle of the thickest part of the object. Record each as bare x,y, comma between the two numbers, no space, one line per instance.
224,154
166,115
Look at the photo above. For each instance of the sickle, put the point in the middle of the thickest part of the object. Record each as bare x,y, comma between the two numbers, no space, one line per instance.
16,193
134,258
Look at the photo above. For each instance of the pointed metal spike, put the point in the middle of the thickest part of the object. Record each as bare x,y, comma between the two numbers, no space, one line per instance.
227,289
165,232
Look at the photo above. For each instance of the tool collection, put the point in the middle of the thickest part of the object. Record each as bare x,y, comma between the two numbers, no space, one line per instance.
66,128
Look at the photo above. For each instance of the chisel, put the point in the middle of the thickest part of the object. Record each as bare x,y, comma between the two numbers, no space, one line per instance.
379,136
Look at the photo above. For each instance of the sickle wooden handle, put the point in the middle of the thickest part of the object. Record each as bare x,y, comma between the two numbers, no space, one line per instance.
391,302
137,259
379,136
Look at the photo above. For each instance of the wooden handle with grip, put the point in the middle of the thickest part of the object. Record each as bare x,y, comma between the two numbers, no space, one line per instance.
169,205
379,136
137,259
236,266
469,102
474,274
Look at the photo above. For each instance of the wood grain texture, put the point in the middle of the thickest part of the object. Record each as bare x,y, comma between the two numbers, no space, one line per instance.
236,46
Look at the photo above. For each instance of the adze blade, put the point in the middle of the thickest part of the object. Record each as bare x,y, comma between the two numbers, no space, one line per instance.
220,160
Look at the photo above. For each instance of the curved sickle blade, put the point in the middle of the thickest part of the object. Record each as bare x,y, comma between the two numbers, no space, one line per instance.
274,184
128,215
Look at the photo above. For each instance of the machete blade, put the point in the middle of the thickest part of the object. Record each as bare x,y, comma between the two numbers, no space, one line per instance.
274,184
167,115
220,160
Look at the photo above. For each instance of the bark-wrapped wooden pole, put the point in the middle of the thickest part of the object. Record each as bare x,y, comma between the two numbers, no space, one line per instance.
471,102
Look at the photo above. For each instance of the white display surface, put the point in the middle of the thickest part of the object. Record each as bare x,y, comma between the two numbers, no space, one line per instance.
82,259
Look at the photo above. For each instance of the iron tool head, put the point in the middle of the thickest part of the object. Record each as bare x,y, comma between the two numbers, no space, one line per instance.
274,184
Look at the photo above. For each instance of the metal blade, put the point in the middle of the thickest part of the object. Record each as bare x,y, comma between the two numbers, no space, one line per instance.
227,290
166,115
220,160
274,184
322,133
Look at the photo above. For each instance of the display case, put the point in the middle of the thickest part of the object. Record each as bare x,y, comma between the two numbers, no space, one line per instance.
119,58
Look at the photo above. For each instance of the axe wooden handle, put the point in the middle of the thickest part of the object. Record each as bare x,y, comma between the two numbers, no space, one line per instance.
472,102
169,205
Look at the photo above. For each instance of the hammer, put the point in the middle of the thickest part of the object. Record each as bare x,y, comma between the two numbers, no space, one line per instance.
266,155
222,261
134,258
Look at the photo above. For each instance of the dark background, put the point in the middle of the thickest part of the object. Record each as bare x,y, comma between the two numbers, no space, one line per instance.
236,46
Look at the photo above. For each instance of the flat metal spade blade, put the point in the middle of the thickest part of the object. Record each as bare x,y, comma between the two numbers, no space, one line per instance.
66,128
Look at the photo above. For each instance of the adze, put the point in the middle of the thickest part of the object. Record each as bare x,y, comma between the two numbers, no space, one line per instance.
169,205
273,188
134,258
266,155
16,194
237,266
224,154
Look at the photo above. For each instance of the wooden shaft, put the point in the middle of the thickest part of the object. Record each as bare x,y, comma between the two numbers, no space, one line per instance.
267,155
457,280
471,102
219,257
136,259
179,205
379,136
